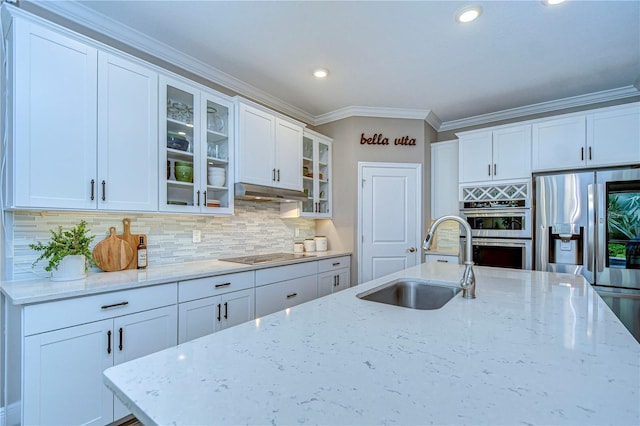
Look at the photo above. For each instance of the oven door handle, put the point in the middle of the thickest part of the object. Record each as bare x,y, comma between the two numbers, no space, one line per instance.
499,242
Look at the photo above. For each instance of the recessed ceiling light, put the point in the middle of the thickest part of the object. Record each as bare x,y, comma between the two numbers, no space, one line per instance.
321,73
552,2
468,14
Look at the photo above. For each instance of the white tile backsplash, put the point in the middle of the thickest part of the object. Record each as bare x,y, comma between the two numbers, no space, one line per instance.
255,228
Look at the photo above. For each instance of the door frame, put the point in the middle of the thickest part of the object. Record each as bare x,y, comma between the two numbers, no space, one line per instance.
418,168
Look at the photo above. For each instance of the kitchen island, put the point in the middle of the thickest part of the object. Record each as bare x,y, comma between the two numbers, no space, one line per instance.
534,348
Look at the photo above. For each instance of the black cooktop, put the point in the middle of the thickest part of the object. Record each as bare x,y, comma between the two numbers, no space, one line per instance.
266,258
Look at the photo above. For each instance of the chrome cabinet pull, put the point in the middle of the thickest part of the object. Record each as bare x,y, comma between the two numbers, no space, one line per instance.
93,192
292,295
109,341
222,285
104,190
115,305
120,333
226,310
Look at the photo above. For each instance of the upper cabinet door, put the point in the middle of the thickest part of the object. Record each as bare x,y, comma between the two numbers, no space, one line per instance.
127,135
255,147
558,143
288,153
613,136
512,153
55,110
476,157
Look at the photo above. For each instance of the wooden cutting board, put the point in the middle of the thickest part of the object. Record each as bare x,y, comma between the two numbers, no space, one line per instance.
112,253
133,240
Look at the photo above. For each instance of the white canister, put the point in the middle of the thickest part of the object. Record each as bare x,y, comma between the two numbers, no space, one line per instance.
298,247
309,244
321,243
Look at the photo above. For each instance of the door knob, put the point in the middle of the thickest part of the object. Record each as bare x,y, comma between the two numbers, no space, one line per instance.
412,250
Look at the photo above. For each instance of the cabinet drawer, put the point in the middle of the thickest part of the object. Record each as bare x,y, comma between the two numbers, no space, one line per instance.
80,310
276,297
210,286
282,273
441,258
327,265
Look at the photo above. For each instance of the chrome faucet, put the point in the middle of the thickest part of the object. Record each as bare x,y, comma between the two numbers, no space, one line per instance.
468,281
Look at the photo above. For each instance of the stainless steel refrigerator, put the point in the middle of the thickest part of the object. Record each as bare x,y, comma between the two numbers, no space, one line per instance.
589,223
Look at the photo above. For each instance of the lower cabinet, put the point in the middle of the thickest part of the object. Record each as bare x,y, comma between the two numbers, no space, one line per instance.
441,258
285,286
333,275
207,305
62,368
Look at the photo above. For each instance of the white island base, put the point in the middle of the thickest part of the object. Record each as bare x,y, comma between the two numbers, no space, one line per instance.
533,348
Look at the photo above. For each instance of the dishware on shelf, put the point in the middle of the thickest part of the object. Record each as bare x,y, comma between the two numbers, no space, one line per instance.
216,176
177,141
214,121
184,171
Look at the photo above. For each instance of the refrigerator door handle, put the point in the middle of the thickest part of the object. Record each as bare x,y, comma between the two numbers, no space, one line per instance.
590,226
600,223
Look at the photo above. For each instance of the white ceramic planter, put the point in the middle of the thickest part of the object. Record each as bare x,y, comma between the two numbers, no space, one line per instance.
70,268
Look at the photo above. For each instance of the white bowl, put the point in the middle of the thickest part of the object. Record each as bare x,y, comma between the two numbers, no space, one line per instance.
216,180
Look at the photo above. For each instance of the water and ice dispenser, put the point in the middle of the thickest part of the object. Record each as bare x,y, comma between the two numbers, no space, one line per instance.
566,244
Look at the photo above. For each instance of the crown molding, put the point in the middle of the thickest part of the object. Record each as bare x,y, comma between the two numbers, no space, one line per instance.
84,16
379,112
542,107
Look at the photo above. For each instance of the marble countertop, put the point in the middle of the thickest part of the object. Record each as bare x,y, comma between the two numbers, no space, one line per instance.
533,348
38,290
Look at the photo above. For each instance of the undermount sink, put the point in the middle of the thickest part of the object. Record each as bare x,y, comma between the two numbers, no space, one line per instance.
411,293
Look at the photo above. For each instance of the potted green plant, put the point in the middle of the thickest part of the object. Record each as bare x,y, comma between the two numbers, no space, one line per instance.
68,252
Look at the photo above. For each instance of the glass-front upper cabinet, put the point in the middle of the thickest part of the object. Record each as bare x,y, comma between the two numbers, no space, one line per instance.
195,136
316,175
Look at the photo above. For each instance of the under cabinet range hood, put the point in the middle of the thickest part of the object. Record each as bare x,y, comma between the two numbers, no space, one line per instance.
249,191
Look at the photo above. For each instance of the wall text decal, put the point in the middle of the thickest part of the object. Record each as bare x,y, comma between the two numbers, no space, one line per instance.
379,139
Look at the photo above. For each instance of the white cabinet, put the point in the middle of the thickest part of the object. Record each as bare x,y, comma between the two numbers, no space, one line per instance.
444,179
604,137
333,275
53,92
69,343
316,179
613,136
127,135
497,154
211,304
85,132
268,148
196,160
558,143
282,287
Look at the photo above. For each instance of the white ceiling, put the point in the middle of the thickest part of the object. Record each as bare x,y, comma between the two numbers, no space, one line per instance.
405,55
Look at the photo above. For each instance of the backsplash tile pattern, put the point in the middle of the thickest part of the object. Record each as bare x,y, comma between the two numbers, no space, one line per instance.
255,228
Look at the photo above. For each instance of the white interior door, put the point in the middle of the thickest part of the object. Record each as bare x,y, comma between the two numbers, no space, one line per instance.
390,213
